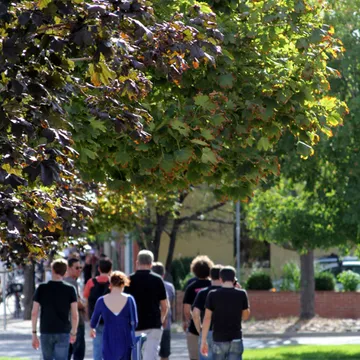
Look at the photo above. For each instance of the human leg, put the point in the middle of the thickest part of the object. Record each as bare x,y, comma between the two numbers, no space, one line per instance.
61,348
165,345
97,343
220,350
79,346
236,350
152,343
47,346
192,341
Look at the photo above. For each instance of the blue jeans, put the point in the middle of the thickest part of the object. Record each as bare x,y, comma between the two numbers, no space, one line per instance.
98,343
232,350
55,346
209,340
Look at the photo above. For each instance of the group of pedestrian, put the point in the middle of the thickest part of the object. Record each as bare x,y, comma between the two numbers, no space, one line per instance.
214,306
115,305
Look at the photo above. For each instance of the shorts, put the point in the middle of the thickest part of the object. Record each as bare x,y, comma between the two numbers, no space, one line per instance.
193,345
165,344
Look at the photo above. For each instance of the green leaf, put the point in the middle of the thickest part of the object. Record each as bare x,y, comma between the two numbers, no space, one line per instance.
217,119
208,156
97,124
168,163
304,150
183,154
226,81
204,101
122,157
89,153
43,4
181,127
263,144
199,142
207,134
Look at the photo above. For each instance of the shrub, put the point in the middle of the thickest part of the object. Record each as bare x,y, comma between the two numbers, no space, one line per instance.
179,270
259,280
349,279
185,280
325,281
290,277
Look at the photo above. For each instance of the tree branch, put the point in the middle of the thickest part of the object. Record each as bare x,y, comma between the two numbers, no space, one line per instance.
201,212
217,221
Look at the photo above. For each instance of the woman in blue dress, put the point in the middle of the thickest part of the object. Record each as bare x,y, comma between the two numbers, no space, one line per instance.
115,308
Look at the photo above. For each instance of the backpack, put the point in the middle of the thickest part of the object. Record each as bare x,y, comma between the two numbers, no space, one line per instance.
99,289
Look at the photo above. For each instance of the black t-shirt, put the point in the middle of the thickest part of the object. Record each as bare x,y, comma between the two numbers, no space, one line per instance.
227,305
55,299
148,289
190,295
200,301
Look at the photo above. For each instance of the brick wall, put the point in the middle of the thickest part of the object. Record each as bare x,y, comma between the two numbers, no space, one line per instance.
269,305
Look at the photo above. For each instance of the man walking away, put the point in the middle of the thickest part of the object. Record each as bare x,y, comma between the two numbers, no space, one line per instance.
56,299
95,288
165,344
226,307
149,292
198,307
77,350
201,266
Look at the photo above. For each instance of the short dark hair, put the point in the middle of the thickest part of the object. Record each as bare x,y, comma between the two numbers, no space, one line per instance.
215,272
105,265
72,261
227,273
59,267
201,266
158,268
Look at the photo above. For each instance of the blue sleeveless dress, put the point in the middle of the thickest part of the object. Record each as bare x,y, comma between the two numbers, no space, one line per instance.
117,340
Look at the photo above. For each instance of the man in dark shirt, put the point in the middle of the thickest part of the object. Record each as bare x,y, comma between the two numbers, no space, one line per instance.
55,298
201,266
149,292
225,307
198,308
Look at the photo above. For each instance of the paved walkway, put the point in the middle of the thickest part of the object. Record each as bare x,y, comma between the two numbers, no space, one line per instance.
16,342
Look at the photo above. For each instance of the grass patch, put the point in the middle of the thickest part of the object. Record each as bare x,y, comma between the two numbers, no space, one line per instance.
341,352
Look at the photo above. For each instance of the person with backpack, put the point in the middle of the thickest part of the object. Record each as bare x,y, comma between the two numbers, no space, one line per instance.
94,289
119,311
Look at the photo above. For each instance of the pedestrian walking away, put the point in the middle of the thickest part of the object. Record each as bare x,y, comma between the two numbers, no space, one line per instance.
77,350
226,307
149,292
198,308
116,309
200,266
165,343
56,299
94,289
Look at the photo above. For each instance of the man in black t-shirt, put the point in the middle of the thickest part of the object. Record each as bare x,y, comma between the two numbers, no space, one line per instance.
225,307
201,266
56,299
149,292
198,308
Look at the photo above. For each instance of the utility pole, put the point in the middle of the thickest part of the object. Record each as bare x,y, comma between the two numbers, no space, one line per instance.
238,239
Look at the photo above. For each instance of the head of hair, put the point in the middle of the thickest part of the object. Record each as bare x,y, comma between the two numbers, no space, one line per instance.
158,268
145,257
59,267
201,266
72,261
119,279
74,255
105,265
227,273
103,256
215,272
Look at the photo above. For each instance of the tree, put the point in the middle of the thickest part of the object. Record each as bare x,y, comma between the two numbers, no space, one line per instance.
55,54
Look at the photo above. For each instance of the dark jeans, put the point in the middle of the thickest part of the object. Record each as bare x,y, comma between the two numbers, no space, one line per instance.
228,350
55,346
77,350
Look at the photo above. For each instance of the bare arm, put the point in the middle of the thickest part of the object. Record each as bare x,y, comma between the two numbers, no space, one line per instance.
164,306
205,330
245,314
74,321
197,319
34,318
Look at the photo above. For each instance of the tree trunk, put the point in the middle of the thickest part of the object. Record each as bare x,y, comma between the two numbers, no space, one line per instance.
307,297
29,289
172,243
161,221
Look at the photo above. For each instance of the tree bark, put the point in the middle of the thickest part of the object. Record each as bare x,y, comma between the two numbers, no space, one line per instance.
161,221
307,296
29,289
172,243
